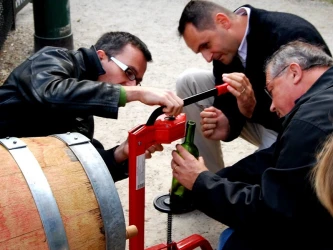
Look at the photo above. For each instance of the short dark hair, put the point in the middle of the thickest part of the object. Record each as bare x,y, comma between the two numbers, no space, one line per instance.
112,43
200,14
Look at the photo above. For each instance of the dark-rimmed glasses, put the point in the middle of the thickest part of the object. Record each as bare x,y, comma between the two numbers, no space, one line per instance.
128,71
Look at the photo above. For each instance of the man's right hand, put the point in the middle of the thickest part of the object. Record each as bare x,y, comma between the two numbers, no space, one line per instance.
151,96
214,124
186,168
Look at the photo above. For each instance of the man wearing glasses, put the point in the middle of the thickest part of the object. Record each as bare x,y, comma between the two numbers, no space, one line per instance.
238,44
267,199
58,91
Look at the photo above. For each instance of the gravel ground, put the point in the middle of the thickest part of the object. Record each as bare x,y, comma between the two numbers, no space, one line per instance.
155,21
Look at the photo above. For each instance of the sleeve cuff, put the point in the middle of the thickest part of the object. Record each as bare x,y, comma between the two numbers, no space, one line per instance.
122,97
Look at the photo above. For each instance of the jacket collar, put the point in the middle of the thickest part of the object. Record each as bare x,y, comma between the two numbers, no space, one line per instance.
93,64
324,82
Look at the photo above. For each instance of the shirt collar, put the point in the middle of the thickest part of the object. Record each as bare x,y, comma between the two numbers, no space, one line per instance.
242,50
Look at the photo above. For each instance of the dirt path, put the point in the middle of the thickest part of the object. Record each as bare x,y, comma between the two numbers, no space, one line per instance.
155,21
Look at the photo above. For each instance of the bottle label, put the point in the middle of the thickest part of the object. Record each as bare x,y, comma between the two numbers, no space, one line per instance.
140,171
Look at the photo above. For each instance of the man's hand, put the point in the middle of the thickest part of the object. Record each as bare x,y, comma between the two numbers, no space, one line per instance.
152,149
186,168
214,124
121,152
241,88
173,104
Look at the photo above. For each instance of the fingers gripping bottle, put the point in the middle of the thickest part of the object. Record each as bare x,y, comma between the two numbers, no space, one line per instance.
180,197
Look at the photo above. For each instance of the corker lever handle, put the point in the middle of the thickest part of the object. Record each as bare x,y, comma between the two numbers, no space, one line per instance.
218,90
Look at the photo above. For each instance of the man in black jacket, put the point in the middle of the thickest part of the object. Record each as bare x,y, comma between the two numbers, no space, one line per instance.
238,43
58,91
267,198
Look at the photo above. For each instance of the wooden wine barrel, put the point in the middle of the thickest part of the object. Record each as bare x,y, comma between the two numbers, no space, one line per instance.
57,195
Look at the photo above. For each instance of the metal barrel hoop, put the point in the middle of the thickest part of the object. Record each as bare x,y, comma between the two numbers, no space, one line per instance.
41,192
103,186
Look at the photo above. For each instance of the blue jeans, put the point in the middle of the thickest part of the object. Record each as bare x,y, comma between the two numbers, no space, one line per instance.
224,237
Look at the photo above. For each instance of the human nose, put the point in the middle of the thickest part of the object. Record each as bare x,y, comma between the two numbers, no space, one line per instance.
207,55
272,107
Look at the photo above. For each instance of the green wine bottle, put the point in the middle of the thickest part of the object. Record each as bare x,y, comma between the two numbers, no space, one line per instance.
180,197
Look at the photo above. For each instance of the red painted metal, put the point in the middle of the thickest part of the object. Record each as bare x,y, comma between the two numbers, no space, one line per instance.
192,242
163,130
162,246
222,89
141,138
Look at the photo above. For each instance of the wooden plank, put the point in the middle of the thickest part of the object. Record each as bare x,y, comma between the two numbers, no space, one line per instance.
75,201
33,240
14,189
86,231
8,164
19,219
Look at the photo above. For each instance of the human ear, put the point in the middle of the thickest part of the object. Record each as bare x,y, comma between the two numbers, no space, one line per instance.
101,54
297,72
223,20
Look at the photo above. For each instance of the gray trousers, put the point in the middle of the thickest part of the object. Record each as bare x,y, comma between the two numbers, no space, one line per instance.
194,81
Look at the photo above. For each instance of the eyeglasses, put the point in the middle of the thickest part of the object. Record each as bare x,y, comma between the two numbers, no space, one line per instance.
128,71
306,68
277,75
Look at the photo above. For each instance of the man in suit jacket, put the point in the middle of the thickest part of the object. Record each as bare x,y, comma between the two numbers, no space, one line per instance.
238,43
267,198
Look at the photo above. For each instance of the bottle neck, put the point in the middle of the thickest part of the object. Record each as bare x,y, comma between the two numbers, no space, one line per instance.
190,129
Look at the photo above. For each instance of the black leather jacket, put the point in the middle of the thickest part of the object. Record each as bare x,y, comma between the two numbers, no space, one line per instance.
55,91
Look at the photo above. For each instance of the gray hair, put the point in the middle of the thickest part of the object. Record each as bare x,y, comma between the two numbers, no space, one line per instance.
302,53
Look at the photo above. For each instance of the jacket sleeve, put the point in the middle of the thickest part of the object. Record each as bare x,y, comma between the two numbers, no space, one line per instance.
52,78
233,195
254,191
118,171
